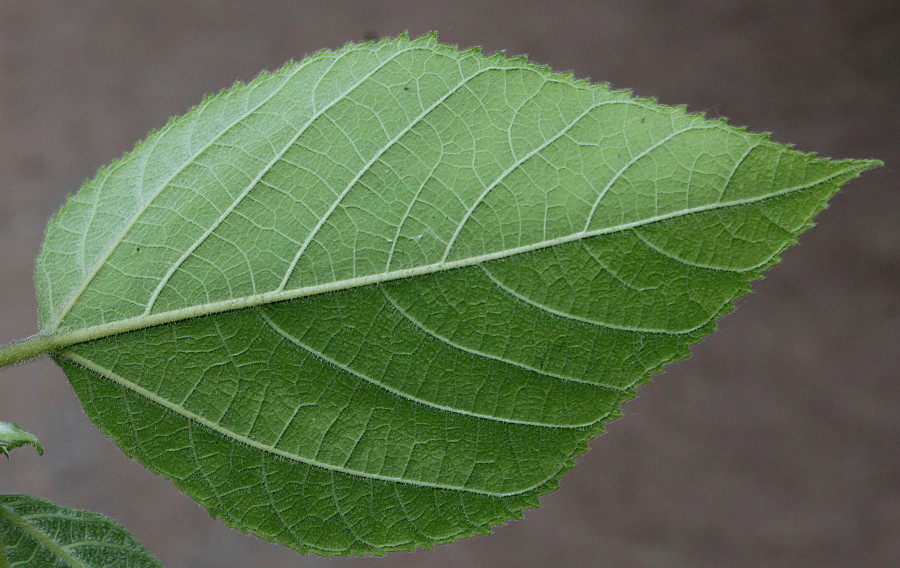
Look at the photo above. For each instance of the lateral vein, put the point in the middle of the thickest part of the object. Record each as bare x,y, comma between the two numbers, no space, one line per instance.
347,369
199,420
73,297
62,339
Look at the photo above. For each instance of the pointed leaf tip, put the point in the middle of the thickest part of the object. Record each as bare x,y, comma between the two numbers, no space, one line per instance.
13,436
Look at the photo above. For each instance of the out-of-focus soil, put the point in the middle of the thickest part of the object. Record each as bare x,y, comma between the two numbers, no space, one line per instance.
778,444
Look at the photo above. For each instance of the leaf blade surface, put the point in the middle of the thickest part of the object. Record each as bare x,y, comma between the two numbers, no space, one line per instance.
36,532
13,436
380,298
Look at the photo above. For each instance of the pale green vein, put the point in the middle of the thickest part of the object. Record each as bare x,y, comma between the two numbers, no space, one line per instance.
140,211
224,513
270,497
265,170
59,340
388,165
41,538
421,326
566,315
406,214
615,275
636,159
347,369
99,544
518,163
103,372
695,264
336,502
418,119
737,164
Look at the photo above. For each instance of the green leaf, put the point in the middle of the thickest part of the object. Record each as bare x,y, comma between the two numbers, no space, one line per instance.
13,436
382,297
37,533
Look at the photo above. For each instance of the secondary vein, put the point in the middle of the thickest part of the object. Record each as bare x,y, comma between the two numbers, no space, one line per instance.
62,339
102,371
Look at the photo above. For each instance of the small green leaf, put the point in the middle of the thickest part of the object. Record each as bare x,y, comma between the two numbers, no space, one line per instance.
36,533
382,297
13,436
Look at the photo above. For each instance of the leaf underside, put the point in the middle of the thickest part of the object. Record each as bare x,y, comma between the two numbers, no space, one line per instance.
38,533
382,297
13,436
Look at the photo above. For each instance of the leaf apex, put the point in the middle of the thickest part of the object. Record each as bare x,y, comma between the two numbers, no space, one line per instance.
13,436
868,164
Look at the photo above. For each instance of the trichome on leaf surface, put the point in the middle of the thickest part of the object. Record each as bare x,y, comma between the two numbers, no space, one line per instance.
380,298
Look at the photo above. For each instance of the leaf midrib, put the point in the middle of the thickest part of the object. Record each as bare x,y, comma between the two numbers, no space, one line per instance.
73,298
40,537
61,338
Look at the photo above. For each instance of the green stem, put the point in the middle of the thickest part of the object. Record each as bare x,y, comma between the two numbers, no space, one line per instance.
28,349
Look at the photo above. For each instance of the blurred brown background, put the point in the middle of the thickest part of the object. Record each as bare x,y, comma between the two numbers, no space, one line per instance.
778,444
